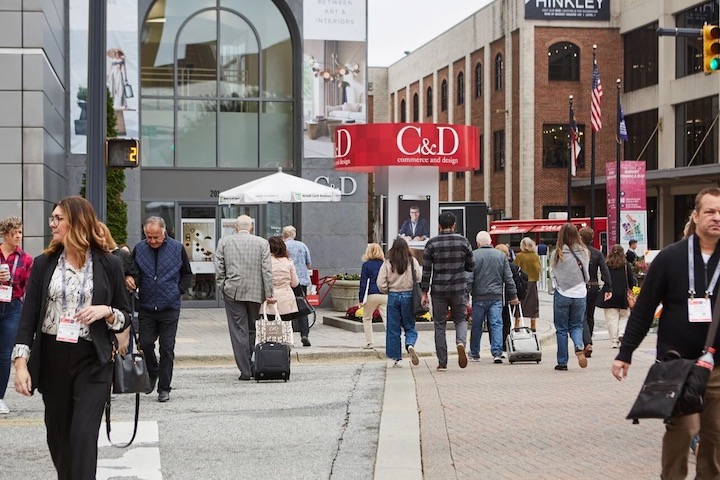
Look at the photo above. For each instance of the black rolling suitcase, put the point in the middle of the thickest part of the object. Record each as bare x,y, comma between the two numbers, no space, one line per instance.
271,361
522,344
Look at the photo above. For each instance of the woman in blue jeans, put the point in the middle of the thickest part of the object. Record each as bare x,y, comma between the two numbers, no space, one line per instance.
396,279
15,266
569,264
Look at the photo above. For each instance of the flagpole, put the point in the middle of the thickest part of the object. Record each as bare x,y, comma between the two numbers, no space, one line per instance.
617,171
570,161
592,160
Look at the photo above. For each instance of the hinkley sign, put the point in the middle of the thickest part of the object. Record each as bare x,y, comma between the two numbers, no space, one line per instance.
567,9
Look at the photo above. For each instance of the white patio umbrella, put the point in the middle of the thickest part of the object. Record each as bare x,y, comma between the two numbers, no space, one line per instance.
279,188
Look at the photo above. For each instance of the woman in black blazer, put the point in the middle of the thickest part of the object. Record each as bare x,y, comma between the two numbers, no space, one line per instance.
74,304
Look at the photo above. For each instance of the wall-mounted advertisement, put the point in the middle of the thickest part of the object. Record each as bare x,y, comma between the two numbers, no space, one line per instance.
334,72
413,215
567,10
198,237
121,68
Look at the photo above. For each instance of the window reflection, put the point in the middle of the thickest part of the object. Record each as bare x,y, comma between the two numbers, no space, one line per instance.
196,126
239,58
276,134
238,134
157,142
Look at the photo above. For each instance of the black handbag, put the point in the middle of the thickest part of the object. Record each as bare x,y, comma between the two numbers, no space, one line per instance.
675,386
130,375
304,308
417,306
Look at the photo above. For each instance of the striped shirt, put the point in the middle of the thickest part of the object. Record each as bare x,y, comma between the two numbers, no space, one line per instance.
447,257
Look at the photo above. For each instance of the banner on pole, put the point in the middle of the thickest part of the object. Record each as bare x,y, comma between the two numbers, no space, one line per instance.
633,204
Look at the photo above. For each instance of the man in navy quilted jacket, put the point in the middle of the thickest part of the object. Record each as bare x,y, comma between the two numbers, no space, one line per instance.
164,275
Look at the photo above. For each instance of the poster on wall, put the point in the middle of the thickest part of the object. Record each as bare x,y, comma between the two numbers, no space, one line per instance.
198,238
121,68
334,72
413,215
633,204
567,10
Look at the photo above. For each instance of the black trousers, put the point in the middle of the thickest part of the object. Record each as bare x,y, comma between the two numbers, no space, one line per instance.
301,324
593,293
74,389
162,325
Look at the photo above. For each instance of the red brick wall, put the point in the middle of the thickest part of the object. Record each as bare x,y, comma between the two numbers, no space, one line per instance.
414,90
552,107
402,95
442,117
427,83
458,118
515,148
477,112
392,107
497,122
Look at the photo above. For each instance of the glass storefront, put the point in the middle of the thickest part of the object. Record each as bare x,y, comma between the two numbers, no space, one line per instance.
200,226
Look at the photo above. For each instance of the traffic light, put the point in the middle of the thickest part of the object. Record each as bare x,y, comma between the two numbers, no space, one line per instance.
122,153
711,48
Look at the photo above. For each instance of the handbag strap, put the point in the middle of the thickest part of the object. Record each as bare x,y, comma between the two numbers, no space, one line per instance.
135,426
712,331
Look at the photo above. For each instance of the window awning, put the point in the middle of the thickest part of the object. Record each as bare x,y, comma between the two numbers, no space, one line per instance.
509,230
546,228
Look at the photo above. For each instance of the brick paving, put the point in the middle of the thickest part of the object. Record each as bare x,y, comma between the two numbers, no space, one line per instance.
529,421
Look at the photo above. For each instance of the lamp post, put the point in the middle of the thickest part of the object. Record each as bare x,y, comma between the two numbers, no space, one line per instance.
618,190
96,107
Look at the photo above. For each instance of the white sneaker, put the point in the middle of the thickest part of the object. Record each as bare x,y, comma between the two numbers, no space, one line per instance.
398,364
413,356
4,410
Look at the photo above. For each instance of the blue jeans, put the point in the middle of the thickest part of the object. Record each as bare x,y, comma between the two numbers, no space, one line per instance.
9,320
399,314
569,316
492,310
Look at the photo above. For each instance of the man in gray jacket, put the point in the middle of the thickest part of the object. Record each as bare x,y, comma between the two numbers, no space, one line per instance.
487,285
243,273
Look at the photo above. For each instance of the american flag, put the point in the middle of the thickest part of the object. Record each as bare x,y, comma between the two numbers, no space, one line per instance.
574,143
597,93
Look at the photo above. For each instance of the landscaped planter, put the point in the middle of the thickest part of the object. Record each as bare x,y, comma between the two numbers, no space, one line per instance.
344,294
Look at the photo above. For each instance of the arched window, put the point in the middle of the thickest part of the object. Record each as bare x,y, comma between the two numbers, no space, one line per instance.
429,102
460,88
403,112
416,108
443,96
564,62
216,86
499,72
478,80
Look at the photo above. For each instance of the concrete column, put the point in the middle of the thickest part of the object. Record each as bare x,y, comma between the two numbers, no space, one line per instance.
507,73
527,122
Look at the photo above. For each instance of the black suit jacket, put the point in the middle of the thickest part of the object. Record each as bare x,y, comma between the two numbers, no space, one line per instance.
421,230
108,289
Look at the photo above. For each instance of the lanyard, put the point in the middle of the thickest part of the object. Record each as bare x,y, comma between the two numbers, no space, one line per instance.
14,269
86,269
691,271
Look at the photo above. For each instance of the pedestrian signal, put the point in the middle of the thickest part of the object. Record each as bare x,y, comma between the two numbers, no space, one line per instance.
122,153
711,48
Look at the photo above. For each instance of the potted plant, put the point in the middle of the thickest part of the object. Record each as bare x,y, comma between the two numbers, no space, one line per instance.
345,290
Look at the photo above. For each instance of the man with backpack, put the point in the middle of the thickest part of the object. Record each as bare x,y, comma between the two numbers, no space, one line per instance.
488,281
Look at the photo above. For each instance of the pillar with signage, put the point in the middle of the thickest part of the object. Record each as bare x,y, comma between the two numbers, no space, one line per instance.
633,204
406,159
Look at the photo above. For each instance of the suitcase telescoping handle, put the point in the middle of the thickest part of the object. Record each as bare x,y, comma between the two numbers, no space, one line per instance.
512,313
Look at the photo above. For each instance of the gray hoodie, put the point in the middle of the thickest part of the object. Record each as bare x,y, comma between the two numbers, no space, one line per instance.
567,273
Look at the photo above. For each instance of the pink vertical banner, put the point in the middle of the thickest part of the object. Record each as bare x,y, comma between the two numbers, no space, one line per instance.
633,196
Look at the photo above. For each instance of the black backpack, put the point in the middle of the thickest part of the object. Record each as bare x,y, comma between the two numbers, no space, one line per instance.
521,282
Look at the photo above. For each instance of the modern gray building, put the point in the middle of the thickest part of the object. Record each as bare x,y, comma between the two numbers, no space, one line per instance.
222,99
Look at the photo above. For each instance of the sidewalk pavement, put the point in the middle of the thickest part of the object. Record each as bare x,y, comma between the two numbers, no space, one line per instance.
203,338
468,423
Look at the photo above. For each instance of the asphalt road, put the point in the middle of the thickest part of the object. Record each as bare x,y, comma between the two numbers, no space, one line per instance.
323,423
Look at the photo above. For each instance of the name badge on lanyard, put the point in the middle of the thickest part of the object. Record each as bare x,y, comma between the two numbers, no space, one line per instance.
6,290
699,310
68,330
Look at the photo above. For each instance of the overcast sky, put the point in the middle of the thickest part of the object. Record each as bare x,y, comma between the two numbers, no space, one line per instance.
395,26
